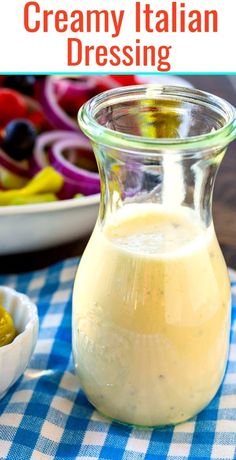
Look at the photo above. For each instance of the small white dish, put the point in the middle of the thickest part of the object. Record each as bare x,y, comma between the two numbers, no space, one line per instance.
40,226
15,356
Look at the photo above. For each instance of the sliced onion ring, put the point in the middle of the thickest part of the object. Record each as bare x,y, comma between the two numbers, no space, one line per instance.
88,182
12,165
106,81
54,113
78,87
69,189
39,159
55,86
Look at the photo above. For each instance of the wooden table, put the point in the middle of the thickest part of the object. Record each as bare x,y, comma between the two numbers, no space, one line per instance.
224,199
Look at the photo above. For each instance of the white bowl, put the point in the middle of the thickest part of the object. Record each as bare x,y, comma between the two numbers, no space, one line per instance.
15,356
39,226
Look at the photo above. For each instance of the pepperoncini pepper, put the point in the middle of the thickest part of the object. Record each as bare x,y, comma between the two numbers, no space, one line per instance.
44,185
7,328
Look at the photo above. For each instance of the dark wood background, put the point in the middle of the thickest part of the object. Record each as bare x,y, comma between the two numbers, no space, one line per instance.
224,208
224,203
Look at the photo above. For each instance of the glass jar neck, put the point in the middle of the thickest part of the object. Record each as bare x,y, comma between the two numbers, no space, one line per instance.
172,182
156,118
158,144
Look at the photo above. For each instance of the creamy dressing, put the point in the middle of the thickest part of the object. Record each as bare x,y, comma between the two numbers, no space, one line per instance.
151,310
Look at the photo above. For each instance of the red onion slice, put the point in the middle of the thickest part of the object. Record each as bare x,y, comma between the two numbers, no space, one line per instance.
79,87
105,82
88,182
39,159
77,180
55,115
69,189
12,165
53,87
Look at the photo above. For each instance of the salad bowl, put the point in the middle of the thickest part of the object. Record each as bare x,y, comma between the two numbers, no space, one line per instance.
40,132
42,226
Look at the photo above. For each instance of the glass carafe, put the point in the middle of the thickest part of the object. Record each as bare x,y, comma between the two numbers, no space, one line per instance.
151,301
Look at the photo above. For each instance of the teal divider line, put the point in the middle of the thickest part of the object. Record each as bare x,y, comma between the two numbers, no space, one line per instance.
117,73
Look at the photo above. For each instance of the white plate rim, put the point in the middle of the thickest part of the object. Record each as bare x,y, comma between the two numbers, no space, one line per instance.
54,206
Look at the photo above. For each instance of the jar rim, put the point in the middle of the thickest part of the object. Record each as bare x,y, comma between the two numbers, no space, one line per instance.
219,138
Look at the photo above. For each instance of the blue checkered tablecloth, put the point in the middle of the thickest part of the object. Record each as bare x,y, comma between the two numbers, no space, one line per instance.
45,416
